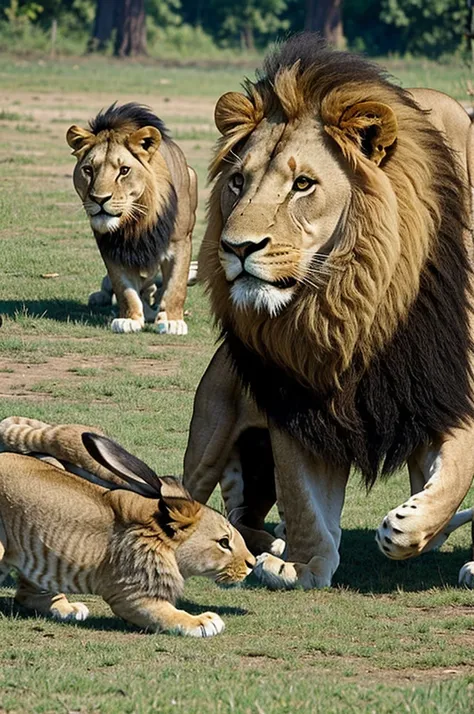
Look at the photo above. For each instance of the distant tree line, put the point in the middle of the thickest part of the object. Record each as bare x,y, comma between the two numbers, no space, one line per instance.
377,27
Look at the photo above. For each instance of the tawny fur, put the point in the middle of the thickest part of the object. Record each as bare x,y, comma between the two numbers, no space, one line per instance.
65,533
362,355
149,213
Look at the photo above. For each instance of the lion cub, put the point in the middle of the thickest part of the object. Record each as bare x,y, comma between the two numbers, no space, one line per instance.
129,536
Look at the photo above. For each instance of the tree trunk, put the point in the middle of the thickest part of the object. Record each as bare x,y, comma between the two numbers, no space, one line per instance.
130,39
325,17
105,21
247,39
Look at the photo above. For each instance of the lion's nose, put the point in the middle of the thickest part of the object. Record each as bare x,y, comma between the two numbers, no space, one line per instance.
100,199
244,249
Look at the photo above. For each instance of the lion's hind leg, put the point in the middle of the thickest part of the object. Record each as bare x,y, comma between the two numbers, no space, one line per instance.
104,296
54,604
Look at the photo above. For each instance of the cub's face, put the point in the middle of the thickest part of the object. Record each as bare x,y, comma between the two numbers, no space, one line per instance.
215,550
283,202
112,174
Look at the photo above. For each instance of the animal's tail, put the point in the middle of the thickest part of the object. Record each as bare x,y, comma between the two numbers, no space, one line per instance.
63,442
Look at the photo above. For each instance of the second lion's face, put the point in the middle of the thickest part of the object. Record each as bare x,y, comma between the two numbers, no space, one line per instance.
110,181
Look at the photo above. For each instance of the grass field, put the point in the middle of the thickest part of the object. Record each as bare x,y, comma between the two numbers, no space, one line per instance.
388,637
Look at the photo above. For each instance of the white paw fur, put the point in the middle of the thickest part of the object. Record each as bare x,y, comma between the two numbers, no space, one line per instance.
466,575
171,327
79,613
278,546
126,324
401,534
275,573
211,624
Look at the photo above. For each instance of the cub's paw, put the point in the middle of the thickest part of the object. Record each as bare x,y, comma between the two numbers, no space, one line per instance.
402,532
171,327
466,575
207,625
99,299
274,573
126,324
73,611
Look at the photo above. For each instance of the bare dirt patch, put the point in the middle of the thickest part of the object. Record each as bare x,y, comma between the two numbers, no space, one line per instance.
18,380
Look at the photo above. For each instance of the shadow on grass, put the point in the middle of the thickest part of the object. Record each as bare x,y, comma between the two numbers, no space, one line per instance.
107,623
365,569
59,310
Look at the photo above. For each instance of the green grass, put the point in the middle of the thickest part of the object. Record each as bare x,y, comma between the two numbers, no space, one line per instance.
388,637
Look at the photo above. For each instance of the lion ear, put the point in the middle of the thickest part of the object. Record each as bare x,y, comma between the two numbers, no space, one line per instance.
144,142
234,110
370,126
79,139
177,514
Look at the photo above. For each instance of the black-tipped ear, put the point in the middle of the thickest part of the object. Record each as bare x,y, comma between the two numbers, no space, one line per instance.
118,460
177,514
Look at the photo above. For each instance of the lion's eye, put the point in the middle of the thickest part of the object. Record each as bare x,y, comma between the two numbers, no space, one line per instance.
302,183
87,170
224,543
124,170
237,182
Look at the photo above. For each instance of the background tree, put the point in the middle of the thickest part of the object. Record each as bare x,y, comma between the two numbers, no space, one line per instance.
130,39
104,24
325,17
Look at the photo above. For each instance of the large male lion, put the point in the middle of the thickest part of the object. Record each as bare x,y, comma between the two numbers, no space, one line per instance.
338,259
140,197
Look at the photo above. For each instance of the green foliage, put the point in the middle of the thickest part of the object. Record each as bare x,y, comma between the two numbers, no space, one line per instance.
429,27
249,21
192,28
164,13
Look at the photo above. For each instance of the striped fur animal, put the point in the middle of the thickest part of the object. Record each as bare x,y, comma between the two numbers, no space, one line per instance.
126,534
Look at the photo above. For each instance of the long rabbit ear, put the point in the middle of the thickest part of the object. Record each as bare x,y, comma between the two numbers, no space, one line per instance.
128,467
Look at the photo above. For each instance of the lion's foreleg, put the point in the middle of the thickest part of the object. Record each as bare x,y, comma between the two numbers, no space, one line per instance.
312,496
127,290
448,468
214,427
170,318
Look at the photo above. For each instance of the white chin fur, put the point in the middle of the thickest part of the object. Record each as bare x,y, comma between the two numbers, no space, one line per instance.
105,224
252,292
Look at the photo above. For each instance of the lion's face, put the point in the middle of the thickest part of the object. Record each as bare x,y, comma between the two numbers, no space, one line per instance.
282,203
113,175
215,550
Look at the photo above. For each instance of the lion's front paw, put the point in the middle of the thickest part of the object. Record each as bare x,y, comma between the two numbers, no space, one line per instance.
72,611
466,575
171,327
207,625
126,324
278,546
274,572
401,534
